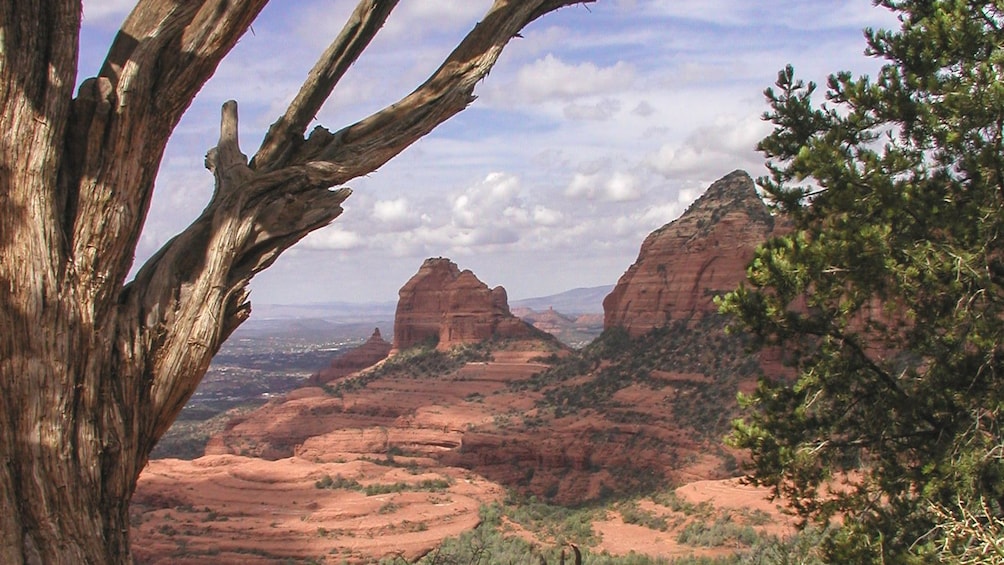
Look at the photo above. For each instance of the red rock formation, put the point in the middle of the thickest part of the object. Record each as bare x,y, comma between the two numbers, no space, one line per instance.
684,264
374,350
452,307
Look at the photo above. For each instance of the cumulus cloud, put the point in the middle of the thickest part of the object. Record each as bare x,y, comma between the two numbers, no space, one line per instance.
616,186
583,185
332,238
545,216
497,192
395,215
390,210
664,213
729,141
551,78
622,187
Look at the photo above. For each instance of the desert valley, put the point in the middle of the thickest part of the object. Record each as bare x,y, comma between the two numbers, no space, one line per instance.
464,423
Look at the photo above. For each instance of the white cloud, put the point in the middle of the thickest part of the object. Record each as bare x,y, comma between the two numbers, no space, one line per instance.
583,185
479,203
616,186
622,187
390,210
422,17
395,215
663,214
332,238
728,140
545,216
601,111
551,78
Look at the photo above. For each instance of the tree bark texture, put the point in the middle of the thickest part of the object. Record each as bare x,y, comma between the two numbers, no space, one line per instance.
93,370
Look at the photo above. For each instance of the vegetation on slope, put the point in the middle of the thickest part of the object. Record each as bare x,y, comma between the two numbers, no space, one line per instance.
707,364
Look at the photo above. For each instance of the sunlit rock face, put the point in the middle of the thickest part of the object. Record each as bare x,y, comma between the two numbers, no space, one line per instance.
452,307
684,264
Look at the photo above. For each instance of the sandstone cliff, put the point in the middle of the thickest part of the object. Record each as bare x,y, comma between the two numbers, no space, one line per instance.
684,264
451,307
374,350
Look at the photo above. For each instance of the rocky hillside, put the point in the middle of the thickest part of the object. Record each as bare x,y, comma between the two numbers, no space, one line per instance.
473,397
684,264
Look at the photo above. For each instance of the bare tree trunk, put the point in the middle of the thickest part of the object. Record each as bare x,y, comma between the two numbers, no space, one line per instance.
93,370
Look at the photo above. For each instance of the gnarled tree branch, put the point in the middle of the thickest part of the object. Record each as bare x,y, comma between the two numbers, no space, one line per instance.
256,216
159,60
287,132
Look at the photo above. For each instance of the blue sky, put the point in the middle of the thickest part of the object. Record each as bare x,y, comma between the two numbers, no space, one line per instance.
600,125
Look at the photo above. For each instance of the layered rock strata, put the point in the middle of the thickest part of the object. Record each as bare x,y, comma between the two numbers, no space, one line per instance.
684,264
451,307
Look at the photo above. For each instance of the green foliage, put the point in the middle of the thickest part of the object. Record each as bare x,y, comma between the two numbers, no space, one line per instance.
615,361
560,523
420,361
722,532
430,485
489,544
887,297
631,513
803,548
339,482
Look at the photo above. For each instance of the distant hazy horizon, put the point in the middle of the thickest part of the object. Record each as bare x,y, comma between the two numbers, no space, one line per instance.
587,300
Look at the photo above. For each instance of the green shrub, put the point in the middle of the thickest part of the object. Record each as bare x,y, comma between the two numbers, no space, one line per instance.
720,533
631,513
339,482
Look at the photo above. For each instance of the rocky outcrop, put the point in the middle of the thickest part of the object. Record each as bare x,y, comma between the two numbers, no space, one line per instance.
683,265
374,350
450,307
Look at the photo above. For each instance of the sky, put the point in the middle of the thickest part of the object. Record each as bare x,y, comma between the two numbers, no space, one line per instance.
598,126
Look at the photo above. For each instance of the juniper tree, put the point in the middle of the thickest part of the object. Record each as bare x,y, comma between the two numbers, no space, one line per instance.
94,369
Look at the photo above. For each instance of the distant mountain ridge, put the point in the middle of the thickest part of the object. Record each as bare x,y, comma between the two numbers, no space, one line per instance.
587,300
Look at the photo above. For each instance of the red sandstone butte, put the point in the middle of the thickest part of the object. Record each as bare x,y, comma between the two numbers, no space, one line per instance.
374,350
452,307
685,263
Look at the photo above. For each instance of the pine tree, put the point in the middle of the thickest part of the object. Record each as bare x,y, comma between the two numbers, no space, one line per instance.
887,297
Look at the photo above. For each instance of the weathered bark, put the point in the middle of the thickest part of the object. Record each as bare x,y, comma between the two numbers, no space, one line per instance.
93,370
